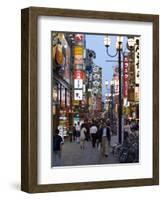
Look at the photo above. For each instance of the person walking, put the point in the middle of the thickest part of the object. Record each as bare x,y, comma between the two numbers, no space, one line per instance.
98,136
93,134
57,148
105,137
70,132
127,127
78,132
82,136
74,132
86,125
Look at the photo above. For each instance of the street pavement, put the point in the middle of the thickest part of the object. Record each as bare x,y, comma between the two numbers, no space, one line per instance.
73,155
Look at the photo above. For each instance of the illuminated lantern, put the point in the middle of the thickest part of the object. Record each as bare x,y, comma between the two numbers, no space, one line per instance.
96,83
95,69
96,76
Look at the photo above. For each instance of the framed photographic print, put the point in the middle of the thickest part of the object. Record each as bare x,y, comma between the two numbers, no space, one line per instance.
90,99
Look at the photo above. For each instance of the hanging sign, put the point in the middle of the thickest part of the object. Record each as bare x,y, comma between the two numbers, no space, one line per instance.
125,77
78,74
75,102
78,59
78,94
116,85
78,50
137,69
78,83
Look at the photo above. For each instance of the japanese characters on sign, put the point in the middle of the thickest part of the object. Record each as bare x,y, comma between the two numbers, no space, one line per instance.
137,69
125,77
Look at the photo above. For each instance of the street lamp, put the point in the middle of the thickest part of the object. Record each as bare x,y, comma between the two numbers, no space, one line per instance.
119,50
106,83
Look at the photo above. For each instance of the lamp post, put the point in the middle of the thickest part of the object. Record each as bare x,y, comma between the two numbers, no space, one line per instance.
118,53
112,104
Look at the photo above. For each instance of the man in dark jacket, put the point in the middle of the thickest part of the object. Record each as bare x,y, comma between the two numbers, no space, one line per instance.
105,137
57,148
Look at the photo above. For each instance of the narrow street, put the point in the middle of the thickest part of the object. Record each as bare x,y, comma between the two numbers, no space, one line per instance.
95,92
73,155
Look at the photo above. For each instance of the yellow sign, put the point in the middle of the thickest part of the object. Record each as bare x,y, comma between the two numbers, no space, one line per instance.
78,50
75,102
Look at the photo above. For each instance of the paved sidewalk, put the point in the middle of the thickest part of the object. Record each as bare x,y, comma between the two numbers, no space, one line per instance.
72,155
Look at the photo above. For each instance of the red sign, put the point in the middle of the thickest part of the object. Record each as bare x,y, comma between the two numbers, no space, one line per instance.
78,74
125,76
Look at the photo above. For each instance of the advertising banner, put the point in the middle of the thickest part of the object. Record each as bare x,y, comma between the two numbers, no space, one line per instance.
78,83
137,69
78,94
75,102
116,85
78,74
125,77
78,50
78,60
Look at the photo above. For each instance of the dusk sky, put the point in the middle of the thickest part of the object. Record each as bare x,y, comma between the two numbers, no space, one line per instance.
96,43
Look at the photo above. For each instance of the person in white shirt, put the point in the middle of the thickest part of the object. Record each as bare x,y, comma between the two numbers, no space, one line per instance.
93,134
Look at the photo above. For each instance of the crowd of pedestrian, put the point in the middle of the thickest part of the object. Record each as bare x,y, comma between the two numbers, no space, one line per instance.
98,132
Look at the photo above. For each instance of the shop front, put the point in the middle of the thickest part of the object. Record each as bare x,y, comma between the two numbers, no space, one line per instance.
61,83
